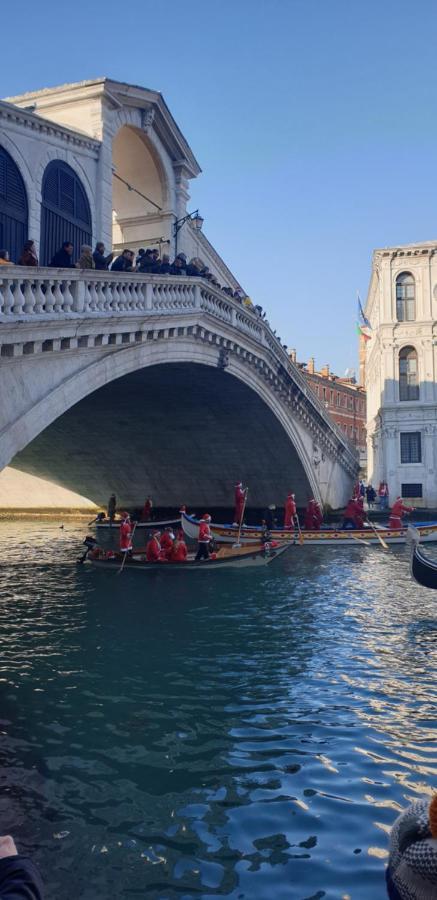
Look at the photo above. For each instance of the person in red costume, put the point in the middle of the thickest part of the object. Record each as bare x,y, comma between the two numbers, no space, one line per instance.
240,496
178,551
153,547
290,513
398,508
167,542
310,515
204,538
350,514
318,516
125,535
359,512
147,510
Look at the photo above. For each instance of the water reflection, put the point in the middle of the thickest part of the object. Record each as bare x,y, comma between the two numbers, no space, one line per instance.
233,735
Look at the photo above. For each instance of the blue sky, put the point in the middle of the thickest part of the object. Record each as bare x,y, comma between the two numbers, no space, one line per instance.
314,123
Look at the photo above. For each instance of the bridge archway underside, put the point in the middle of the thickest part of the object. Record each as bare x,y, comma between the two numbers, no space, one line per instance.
54,366
182,432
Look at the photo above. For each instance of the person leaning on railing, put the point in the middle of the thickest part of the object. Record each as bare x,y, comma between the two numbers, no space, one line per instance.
86,260
101,261
28,255
4,258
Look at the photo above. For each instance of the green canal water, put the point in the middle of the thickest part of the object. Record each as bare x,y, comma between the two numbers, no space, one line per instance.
228,734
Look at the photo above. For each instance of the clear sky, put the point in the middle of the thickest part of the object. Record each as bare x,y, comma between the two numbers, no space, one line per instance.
314,122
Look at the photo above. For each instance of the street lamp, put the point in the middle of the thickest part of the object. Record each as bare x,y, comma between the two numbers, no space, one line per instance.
197,220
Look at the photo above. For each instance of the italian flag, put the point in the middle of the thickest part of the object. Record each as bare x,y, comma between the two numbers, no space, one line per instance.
362,333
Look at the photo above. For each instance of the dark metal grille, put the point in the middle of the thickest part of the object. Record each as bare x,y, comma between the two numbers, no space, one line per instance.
411,490
411,447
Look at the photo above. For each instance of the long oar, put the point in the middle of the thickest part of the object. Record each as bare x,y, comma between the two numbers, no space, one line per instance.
300,531
119,571
241,520
380,539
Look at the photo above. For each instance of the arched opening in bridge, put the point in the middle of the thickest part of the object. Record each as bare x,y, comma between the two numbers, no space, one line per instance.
138,192
183,432
65,211
13,207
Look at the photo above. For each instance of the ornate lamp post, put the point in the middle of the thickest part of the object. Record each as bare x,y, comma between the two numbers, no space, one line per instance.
195,217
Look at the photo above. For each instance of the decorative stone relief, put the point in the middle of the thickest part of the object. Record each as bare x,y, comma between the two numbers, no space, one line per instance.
147,119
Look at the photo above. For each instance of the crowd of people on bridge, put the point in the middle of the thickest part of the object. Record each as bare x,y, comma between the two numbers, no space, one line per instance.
146,262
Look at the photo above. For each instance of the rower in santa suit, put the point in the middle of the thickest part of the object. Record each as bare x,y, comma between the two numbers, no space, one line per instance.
290,514
240,496
167,541
398,508
204,538
178,552
147,510
318,516
309,520
153,547
126,534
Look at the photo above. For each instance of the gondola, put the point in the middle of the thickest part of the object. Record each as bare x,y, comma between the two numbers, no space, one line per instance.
225,558
423,569
327,537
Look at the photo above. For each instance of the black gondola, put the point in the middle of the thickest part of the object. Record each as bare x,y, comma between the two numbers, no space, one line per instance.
423,569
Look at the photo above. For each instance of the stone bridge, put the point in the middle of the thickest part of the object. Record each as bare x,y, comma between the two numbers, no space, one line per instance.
159,384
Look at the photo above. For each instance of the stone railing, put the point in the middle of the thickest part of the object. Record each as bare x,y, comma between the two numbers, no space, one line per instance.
45,294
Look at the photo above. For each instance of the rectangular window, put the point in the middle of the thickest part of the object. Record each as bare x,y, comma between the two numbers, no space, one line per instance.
331,398
411,447
411,490
338,399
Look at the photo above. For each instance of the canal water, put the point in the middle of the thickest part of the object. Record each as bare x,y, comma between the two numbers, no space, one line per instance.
227,734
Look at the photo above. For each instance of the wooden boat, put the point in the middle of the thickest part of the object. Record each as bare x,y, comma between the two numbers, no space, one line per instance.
164,523
225,558
423,569
228,534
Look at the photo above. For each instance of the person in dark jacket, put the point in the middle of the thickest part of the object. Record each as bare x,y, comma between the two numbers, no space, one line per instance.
178,267
146,262
123,263
28,255
165,267
370,495
63,259
19,877
100,260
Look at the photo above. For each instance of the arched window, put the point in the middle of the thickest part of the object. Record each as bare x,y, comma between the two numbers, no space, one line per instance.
13,207
408,374
405,297
65,212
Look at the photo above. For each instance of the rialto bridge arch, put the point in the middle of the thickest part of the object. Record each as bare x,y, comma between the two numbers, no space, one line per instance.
180,400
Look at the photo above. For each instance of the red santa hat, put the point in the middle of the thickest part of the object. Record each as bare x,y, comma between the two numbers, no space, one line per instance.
206,517
183,509
156,534
239,484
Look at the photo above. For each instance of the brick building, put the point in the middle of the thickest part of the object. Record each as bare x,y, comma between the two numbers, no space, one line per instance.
344,399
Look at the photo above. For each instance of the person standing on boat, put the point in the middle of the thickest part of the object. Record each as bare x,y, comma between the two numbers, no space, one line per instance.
126,534
204,538
310,517
350,514
112,506
146,514
317,516
398,508
269,518
153,547
240,497
359,512
291,519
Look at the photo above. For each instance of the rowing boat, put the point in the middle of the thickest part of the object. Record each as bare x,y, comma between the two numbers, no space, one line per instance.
423,569
164,523
227,534
225,558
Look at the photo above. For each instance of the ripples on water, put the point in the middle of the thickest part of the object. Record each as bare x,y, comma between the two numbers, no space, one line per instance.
212,735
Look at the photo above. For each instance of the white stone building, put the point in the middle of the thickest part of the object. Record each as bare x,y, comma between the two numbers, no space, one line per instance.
401,372
97,161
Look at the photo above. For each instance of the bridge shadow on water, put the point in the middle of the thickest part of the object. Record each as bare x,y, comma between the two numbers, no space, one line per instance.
223,734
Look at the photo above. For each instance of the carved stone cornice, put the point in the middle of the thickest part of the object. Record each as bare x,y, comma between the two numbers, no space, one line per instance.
10,113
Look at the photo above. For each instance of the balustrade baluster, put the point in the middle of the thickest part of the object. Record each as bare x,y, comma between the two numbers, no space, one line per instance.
101,299
18,306
39,298
29,297
94,300
116,301
68,297
48,305
8,297
58,298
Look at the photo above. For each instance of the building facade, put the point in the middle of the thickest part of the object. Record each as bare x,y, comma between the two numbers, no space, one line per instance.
98,161
401,372
344,399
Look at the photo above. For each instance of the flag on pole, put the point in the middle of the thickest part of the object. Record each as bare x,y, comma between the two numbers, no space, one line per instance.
362,333
361,317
